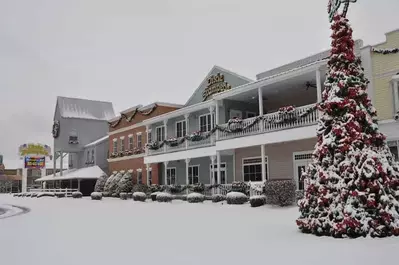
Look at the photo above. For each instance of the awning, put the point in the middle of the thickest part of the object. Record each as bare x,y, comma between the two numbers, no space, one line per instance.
93,172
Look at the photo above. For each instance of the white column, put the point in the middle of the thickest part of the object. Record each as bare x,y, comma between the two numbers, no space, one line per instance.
166,171
218,167
396,95
186,118
211,109
24,179
147,170
262,153
147,130
217,118
260,102
212,169
54,163
187,166
61,162
78,184
165,124
318,83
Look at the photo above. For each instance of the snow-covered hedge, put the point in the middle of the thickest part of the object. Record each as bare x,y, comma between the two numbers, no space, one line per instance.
96,195
258,200
180,197
45,194
106,194
198,188
140,188
34,195
164,197
139,196
236,198
100,183
154,196
125,184
239,186
280,192
108,183
112,183
60,195
123,196
115,195
130,195
195,197
218,198
28,194
154,188
77,194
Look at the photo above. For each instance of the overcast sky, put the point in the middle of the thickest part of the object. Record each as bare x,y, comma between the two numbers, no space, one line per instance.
136,52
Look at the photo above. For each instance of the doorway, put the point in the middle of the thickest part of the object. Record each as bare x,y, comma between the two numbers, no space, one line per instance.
214,173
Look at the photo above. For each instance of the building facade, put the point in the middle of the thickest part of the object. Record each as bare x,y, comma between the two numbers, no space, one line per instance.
127,140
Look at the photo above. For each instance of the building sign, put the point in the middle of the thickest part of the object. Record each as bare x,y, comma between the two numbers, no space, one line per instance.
35,162
216,84
334,5
34,149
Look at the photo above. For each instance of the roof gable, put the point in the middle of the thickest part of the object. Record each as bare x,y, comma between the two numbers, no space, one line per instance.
221,79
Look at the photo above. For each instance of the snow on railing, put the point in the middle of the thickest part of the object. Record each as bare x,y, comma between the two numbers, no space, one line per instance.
67,192
248,131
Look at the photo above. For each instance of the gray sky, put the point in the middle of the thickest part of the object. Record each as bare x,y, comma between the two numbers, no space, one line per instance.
136,52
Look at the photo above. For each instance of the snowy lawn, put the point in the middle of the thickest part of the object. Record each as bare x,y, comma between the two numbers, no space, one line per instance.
69,231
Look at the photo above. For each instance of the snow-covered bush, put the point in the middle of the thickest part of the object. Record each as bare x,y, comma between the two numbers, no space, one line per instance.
115,195
100,183
59,195
180,197
280,192
154,188
28,194
96,195
123,196
140,188
175,189
239,186
139,196
77,195
130,195
45,194
125,184
34,195
299,194
154,196
258,200
218,198
112,183
164,197
195,197
106,194
236,198
198,188
108,182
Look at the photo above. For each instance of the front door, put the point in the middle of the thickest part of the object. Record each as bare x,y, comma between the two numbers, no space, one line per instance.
300,168
214,174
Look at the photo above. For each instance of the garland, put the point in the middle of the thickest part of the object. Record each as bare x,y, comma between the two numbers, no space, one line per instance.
135,151
285,115
129,119
385,51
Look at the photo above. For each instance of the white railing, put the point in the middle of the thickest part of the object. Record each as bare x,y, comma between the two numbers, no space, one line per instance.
195,144
256,189
191,145
67,192
272,122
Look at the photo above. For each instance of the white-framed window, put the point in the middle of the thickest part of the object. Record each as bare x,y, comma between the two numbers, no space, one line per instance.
181,129
205,122
193,174
139,141
131,143
250,114
139,177
149,137
149,180
301,161
92,156
114,145
122,145
394,148
214,173
171,176
252,169
160,133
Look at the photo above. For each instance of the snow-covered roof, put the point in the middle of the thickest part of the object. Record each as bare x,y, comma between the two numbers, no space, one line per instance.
85,109
96,142
93,172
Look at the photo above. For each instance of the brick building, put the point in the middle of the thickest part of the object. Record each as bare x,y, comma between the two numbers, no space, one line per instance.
127,140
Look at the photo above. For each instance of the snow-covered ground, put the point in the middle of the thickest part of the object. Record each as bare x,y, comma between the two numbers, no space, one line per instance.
112,231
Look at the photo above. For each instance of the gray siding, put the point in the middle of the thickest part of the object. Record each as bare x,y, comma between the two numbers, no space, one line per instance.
100,156
244,107
280,157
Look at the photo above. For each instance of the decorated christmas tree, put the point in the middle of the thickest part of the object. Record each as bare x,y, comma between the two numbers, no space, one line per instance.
353,181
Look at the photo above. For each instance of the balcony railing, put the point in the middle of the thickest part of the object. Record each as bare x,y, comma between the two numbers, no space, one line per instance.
280,120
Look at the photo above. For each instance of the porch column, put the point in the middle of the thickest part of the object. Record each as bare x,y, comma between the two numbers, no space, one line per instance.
260,102
212,169
187,166
166,172
217,118
186,116
61,162
165,124
147,170
78,184
262,153
218,167
54,163
318,83
396,95
211,109
148,131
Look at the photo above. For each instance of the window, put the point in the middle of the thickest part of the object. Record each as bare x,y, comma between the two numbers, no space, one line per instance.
251,114
160,133
149,136
205,122
181,129
193,174
88,157
139,177
252,169
114,145
73,137
171,176
130,142
92,156
122,144
149,177
139,142
393,147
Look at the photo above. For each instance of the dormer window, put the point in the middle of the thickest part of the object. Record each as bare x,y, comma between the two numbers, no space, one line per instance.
73,138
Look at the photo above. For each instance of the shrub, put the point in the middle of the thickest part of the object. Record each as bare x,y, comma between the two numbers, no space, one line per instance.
140,188
258,200
174,189
198,188
299,194
34,195
96,196
180,197
100,183
195,197
77,195
164,197
45,194
108,182
130,195
115,195
154,188
218,198
123,196
139,196
239,186
125,184
154,196
28,194
60,195
236,198
280,192
106,194
112,183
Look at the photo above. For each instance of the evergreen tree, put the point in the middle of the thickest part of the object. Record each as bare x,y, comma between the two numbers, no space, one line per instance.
125,184
100,183
353,180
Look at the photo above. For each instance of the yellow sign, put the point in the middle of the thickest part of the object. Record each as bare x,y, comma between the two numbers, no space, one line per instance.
34,149
216,84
